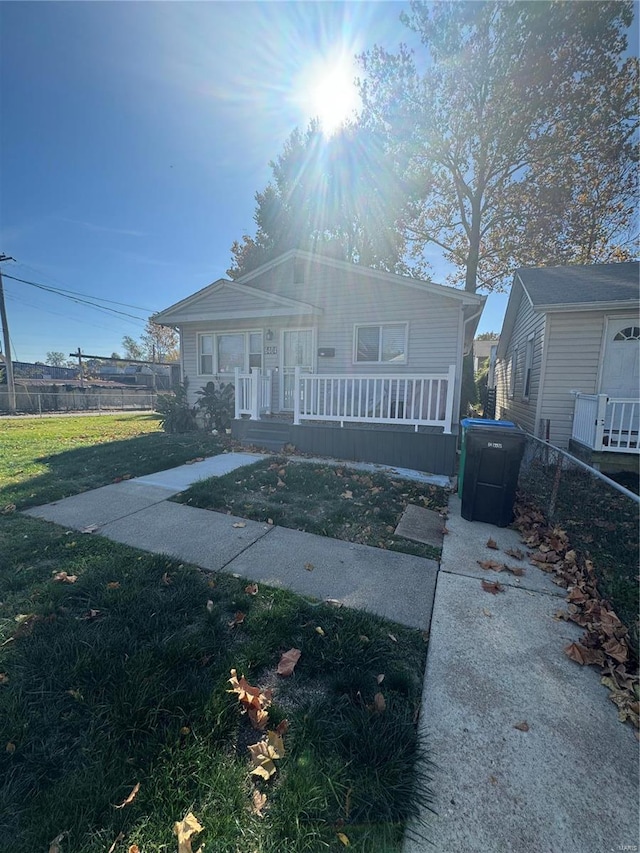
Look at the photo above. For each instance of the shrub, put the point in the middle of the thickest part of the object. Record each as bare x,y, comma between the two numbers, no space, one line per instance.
217,404
175,413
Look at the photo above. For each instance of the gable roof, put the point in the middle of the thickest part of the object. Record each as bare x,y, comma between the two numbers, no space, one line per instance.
580,287
261,304
359,269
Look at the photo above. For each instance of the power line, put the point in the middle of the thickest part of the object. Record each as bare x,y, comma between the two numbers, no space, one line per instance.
64,291
12,297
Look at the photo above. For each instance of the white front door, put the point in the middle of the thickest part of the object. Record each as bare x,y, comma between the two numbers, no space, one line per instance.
297,351
621,367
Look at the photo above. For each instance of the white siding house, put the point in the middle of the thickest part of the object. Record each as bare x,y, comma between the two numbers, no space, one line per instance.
570,342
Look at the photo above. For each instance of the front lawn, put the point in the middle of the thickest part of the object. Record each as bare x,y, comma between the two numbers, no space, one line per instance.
115,667
340,502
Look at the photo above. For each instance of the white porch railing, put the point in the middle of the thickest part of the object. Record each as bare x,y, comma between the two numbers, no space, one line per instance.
604,423
253,393
418,400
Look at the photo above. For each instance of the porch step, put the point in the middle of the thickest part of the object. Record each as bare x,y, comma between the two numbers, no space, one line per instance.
268,434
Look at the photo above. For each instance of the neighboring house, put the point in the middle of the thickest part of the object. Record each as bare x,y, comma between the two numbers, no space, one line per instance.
569,353
321,342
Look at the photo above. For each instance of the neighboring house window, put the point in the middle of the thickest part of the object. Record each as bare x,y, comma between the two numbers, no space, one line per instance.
631,333
528,365
222,353
386,343
513,370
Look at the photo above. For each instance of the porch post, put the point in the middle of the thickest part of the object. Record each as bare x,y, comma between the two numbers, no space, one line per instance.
255,387
448,414
237,391
267,400
600,418
296,397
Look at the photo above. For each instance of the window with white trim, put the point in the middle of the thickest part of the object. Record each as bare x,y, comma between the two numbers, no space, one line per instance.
528,367
384,343
224,351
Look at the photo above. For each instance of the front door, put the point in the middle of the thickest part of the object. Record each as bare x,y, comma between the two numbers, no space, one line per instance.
621,368
297,351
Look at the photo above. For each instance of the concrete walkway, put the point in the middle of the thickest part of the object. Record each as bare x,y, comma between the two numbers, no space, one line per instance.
569,784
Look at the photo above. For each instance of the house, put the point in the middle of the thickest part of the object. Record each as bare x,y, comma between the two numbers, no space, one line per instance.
312,343
568,359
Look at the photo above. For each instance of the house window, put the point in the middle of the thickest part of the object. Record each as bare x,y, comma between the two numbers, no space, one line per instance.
222,353
631,333
513,371
528,365
386,343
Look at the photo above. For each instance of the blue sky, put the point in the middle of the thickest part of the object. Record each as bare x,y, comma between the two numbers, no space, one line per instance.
134,137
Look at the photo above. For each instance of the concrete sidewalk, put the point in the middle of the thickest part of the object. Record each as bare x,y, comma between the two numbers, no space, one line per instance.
567,785
137,512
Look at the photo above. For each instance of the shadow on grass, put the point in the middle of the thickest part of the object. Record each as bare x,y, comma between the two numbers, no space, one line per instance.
72,471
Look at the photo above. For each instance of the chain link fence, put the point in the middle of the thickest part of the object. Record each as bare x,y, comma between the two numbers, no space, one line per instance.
600,517
36,402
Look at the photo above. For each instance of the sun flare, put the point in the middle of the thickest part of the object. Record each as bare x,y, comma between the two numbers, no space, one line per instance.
329,93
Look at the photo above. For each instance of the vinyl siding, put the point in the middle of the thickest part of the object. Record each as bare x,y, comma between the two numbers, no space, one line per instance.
345,299
522,412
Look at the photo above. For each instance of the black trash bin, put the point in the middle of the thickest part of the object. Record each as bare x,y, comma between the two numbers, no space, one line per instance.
490,479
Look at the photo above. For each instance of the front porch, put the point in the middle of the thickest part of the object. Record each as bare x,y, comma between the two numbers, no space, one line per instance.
404,421
605,431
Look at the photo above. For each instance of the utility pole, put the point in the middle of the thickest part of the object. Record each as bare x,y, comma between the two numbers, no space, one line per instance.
11,387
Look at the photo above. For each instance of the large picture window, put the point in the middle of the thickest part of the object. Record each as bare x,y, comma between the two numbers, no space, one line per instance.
385,343
224,351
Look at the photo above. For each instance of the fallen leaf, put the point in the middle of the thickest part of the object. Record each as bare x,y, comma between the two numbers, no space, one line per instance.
259,718
238,619
239,524
258,802
288,662
8,509
91,614
184,830
393,638
264,753
184,731
54,846
90,528
616,649
113,585
487,612
283,727
380,678
515,552
347,494
211,583
309,567
281,484
493,587
210,606
493,780
4,678
490,565
585,657
167,580
63,577
320,631
379,703
522,727
251,589
269,521
491,543
343,839
249,696
10,747
130,798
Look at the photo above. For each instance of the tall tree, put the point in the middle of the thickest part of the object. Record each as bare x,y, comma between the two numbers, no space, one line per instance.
513,138
56,359
336,195
157,343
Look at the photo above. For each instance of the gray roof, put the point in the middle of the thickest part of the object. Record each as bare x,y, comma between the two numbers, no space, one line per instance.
582,284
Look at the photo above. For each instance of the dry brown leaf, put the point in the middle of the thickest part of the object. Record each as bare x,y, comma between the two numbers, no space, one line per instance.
259,718
258,802
184,830
281,483
491,565
130,798
251,589
10,747
584,656
54,846
379,703
616,649
343,839
347,494
90,528
8,509
239,524
251,697
493,587
522,727
309,567
119,837
288,662
63,577
264,753
166,579
134,849
238,619
113,585
516,553
491,543
4,678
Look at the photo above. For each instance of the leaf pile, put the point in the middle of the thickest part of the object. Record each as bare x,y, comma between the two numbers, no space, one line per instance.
605,642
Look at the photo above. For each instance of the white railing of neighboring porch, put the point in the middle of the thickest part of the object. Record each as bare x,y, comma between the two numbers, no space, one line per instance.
418,400
253,393
605,423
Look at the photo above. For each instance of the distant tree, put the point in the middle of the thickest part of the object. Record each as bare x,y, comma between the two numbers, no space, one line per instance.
157,343
517,140
488,336
115,355
337,196
56,359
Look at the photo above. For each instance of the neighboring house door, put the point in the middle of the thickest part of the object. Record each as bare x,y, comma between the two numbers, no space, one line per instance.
297,351
621,367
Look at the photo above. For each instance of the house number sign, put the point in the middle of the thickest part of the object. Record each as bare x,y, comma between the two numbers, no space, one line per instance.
272,350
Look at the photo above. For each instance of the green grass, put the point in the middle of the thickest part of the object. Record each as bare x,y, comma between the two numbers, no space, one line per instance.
45,459
329,501
121,677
